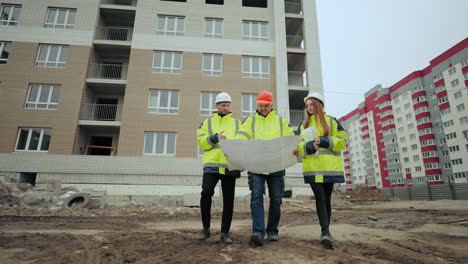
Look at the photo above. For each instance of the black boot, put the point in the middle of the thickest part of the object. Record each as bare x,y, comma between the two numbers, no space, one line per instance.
256,239
326,240
204,235
226,238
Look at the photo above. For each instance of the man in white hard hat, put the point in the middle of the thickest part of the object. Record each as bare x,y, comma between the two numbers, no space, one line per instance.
221,126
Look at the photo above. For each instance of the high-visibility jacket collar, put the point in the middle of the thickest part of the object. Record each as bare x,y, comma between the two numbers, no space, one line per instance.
325,114
216,115
271,113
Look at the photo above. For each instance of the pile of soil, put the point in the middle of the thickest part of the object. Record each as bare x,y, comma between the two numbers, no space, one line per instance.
363,193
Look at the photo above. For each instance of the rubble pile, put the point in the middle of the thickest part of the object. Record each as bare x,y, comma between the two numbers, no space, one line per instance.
48,194
363,193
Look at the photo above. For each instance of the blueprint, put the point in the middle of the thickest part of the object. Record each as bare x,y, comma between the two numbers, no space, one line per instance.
309,134
260,156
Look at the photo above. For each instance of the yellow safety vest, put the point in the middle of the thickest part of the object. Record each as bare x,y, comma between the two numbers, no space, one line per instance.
327,165
259,127
212,155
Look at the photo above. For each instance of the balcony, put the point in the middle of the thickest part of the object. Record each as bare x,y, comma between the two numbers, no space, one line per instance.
297,79
293,7
118,36
295,35
297,76
295,42
100,114
116,22
100,73
119,2
296,117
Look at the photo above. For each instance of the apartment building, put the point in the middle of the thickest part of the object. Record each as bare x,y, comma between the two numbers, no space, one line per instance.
414,132
133,78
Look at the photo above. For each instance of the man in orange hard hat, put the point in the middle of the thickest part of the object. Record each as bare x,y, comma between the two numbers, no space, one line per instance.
265,124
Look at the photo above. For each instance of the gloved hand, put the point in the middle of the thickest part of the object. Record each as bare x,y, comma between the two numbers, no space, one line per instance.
214,139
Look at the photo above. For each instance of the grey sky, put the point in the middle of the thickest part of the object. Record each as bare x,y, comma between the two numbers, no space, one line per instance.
369,42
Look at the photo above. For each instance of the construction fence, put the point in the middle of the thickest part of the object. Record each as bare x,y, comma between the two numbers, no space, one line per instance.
428,192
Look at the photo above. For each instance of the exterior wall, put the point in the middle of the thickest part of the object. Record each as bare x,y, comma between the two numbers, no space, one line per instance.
281,59
20,72
409,107
16,77
70,134
351,125
357,153
195,11
33,14
190,83
456,116
314,68
407,138
373,179
140,79
378,110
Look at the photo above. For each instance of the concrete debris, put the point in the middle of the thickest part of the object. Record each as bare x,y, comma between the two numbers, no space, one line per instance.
97,198
50,195
373,218
5,194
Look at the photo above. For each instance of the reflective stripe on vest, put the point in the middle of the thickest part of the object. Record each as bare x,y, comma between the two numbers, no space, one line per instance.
253,127
328,152
327,173
210,129
281,126
244,134
323,152
345,140
331,143
218,165
210,132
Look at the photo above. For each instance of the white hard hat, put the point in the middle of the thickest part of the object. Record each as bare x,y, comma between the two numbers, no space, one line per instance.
315,96
223,97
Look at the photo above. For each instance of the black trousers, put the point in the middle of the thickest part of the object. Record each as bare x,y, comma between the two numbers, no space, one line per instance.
228,184
323,192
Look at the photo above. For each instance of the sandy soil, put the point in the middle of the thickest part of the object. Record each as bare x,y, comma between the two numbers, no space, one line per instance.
403,232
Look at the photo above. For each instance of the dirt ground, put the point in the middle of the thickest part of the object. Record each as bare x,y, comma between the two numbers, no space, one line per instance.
395,232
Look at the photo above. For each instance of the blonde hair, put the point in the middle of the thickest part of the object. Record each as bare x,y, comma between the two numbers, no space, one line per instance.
318,107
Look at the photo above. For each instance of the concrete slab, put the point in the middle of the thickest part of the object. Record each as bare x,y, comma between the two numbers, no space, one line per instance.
192,200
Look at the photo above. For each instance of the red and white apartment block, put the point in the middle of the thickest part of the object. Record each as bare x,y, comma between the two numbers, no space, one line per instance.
413,132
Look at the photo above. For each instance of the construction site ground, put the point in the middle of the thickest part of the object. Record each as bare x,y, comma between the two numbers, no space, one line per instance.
365,232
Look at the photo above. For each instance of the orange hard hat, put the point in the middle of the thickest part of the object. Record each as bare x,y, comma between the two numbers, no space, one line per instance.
264,97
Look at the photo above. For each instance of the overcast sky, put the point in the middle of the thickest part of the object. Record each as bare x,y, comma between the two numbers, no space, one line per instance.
368,42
